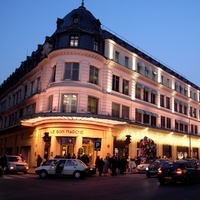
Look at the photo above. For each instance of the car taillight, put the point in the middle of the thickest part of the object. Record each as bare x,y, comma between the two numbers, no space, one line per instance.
159,171
179,171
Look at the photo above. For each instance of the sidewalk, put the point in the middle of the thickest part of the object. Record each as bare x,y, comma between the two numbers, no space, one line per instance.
31,170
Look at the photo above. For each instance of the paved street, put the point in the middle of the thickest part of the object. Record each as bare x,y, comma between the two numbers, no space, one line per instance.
129,186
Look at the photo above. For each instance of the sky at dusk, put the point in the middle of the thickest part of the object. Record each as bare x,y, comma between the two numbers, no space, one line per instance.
167,30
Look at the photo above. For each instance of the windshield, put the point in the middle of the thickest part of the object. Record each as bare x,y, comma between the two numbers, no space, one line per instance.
14,159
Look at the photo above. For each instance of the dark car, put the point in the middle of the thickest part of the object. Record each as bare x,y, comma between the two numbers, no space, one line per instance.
152,169
181,171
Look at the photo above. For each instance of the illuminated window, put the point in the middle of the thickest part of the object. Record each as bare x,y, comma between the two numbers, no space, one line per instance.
94,75
69,103
125,89
92,105
73,41
138,91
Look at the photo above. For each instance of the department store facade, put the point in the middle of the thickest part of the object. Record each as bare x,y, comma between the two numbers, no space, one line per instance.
85,83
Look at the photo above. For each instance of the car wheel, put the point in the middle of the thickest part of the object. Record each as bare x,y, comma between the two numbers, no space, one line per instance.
43,174
77,174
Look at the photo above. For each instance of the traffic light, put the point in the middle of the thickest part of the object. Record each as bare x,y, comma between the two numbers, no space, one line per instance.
128,139
46,137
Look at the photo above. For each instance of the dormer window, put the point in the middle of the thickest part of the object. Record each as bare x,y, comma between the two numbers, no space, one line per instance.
146,71
74,41
96,46
117,56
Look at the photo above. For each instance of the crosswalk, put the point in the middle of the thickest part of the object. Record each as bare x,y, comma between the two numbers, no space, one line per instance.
16,176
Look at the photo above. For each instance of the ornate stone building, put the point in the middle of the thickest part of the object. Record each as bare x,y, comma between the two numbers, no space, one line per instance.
86,87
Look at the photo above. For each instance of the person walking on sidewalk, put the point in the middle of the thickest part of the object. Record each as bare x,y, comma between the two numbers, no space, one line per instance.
100,166
39,160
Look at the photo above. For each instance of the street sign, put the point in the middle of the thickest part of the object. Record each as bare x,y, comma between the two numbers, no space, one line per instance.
97,144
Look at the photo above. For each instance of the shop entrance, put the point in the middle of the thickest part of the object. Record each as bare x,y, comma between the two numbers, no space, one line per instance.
88,148
67,146
67,149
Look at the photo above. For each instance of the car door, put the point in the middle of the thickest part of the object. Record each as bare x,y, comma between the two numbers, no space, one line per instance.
70,166
60,167
52,166
192,171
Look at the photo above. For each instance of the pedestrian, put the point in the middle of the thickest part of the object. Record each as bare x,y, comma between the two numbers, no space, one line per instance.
39,160
114,165
73,156
100,166
106,166
22,158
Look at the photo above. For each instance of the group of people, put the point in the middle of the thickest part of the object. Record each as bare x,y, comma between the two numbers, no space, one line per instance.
115,164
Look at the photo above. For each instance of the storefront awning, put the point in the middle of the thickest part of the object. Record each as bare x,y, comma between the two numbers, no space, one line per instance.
103,120
140,110
182,122
139,85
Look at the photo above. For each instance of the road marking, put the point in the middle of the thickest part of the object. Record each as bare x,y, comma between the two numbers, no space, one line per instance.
5,176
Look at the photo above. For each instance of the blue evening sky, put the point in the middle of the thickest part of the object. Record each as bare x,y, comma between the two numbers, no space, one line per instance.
168,30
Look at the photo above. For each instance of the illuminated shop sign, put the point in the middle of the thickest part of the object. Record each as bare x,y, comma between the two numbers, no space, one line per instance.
66,131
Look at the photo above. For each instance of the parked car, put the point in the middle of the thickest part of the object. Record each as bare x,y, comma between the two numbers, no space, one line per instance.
141,168
63,167
152,169
15,164
181,171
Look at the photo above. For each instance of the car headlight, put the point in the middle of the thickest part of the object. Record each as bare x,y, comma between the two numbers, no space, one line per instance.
147,168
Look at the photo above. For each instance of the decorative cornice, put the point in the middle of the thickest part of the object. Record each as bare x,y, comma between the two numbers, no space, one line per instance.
78,52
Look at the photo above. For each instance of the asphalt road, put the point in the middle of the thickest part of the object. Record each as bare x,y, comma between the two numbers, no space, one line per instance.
120,187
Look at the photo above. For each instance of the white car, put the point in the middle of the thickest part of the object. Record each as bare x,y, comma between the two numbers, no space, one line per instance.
62,167
16,164
141,168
